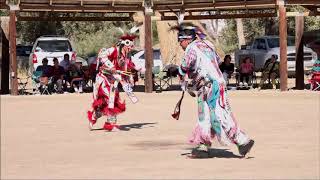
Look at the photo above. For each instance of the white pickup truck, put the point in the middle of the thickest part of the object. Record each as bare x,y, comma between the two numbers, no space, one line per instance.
263,47
51,46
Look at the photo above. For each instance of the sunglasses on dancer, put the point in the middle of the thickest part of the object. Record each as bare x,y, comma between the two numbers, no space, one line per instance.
127,42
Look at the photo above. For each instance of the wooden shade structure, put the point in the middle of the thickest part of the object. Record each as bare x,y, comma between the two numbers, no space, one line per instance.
193,8
104,10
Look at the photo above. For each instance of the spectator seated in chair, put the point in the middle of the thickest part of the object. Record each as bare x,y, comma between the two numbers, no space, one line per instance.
57,75
270,71
65,63
46,72
246,72
76,75
227,68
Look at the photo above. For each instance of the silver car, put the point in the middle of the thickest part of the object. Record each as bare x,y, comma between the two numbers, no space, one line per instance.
263,47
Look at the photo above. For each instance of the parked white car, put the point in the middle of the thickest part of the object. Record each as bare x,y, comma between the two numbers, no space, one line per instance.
50,47
139,60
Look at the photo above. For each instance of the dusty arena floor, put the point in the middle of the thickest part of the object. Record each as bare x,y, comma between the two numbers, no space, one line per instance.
47,137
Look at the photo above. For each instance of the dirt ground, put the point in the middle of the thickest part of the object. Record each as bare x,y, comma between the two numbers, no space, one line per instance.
47,137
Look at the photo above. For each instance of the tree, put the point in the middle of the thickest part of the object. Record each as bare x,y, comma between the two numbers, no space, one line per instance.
228,37
89,37
240,32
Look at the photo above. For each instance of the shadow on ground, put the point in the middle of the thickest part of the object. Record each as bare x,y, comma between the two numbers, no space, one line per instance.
219,153
128,127
156,144
173,87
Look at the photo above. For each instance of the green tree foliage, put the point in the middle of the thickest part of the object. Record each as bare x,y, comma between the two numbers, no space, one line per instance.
252,28
311,22
29,31
89,37
155,38
228,38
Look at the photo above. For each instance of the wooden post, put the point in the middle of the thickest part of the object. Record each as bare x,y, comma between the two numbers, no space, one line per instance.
299,52
283,46
148,54
13,56
4,56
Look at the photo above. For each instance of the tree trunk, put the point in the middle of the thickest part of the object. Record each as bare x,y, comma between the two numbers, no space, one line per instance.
240,33
271,27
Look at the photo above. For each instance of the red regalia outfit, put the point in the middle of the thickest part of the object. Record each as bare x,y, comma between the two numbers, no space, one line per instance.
111,62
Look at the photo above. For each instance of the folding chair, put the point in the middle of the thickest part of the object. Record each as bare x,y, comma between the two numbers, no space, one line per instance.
315,82
160,79
88,78
38,86
155,77
252,81
165,79
277,79
44,88
267,84
80,81
22,84
35,77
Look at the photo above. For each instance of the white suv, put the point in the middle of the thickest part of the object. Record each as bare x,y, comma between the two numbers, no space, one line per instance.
50,47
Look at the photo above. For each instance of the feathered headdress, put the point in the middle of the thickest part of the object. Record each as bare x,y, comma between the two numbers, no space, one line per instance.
188,31
128,38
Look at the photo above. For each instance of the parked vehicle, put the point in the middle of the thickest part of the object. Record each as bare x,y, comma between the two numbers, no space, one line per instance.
139,59
23,53
50,47
263,47
23,50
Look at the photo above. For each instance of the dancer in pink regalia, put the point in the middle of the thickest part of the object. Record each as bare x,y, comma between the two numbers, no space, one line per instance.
216,121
